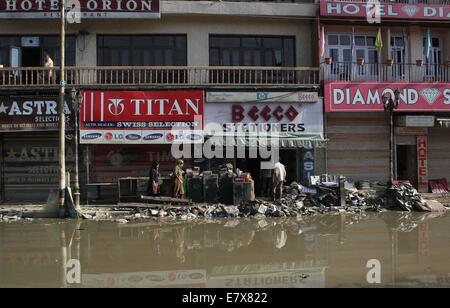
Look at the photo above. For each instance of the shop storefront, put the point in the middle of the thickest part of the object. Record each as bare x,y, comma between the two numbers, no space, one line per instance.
289,122
358,131
29,147
124,132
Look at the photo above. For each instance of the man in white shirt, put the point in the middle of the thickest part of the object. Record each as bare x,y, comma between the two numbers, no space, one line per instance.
48,64
279,176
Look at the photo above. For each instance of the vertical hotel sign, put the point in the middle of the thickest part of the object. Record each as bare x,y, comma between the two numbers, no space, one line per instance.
422,163
88,9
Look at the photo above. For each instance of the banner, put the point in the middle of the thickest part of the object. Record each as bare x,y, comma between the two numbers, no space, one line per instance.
417,11
266,117
90,9
367,96
142,117
32,114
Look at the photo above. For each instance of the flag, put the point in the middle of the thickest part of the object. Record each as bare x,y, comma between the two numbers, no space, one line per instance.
379,41
405,46
427,45
322,43
353,45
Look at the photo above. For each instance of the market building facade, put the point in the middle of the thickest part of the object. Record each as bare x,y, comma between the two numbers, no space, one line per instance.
405,48
172,49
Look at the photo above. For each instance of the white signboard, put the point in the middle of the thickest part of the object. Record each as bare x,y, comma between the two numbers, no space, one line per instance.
262,97
282,117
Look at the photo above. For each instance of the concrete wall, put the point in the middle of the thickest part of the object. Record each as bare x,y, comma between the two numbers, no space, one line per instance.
197,30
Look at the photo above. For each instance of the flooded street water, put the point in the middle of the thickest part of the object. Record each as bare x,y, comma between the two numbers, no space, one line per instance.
323,251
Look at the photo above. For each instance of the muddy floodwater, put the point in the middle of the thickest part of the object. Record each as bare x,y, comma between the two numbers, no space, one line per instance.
409,249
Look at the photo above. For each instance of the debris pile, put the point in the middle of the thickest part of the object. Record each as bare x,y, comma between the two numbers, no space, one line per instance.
407,198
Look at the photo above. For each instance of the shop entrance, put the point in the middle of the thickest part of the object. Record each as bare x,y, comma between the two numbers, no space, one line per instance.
407,163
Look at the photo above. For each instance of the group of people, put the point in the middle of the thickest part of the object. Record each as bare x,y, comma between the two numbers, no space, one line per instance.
277,176
178,176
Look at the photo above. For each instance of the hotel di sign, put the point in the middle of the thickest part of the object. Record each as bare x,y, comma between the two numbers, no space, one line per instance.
90,9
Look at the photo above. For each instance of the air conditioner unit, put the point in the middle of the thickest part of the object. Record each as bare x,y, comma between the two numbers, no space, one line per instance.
30,41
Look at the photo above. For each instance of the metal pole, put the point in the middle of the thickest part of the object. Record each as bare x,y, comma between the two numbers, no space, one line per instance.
62,118
391,146
76,193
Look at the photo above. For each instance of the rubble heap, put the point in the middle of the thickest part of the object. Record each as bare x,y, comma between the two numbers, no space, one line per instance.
407,198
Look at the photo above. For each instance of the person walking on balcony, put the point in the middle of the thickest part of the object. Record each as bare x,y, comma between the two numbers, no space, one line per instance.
48,65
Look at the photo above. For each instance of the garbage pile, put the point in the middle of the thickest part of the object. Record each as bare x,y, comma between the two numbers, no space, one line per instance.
13,216
407,198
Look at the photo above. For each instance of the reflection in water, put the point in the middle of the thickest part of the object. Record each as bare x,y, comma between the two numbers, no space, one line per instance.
322,251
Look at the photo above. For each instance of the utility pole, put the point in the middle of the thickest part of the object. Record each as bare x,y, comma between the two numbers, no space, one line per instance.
62,117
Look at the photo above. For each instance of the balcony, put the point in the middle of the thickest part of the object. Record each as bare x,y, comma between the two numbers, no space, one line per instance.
160,77
345,71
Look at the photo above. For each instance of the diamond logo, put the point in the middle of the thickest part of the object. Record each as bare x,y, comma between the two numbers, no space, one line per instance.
430,95
410,10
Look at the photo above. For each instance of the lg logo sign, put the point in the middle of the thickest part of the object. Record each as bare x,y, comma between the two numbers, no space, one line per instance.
266,113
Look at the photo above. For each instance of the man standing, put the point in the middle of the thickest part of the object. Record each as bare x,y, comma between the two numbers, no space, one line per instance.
279,176
48,65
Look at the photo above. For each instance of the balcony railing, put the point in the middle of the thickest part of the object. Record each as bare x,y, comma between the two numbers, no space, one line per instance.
177,76
345,71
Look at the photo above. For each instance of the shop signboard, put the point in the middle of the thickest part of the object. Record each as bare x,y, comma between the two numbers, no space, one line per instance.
386,10
422,162
262,97
367,96
416,121
32,114
87,9
142,117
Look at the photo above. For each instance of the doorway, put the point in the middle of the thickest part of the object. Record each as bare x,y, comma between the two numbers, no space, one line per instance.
407,163
31,57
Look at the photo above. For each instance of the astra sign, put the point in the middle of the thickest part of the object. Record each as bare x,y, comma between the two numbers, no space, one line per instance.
417,11
363,97
91,9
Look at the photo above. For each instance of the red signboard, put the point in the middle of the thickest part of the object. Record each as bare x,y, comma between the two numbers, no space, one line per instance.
95,9
422,163
142,117
386,10
366,96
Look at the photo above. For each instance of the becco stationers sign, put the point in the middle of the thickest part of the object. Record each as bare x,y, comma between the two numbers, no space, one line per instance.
91,9
142,117
367,96
416,11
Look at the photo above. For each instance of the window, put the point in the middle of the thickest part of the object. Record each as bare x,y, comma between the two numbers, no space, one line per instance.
51,44
148,50
251,51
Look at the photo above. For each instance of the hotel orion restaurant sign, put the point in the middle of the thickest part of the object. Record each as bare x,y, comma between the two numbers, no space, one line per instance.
90,9
387,10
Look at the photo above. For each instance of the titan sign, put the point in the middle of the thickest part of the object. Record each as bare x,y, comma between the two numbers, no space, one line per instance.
95,9
346,9
362,97
142,117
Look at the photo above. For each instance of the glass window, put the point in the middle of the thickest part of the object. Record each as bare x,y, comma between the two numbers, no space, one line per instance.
258,50
333,40
347,55
435,42
146,50
399,42
373,56
370,41
361,53
344,40
360,40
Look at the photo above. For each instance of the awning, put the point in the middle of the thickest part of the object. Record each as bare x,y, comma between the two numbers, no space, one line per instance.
277,140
